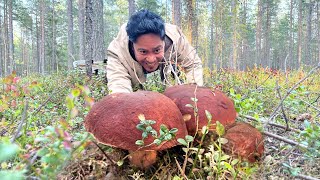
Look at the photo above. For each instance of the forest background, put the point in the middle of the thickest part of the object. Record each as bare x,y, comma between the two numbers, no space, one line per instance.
47,36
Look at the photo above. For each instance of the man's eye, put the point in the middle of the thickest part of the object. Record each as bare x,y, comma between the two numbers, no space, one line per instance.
143,52
157,51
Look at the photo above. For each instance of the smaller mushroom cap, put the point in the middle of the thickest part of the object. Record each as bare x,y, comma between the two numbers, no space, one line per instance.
217,103
114,118
245,141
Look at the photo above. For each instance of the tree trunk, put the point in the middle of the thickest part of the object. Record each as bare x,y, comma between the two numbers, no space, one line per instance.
299,34
5,39
132,7
244,57
10,36
176,12
1,47
266,52
291,40
259,33
98,53
54,66
42,40
234,12
211,57
190,17
89,36
318,25
308,45
81,19
70,34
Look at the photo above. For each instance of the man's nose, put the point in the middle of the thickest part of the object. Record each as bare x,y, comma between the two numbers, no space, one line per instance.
151,59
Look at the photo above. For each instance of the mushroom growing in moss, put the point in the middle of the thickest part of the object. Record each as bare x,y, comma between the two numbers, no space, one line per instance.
245,141
114,121
217,103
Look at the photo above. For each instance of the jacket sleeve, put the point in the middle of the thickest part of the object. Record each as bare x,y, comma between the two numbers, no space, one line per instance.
189,60
119,80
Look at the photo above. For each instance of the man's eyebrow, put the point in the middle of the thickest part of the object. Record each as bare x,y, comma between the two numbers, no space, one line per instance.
160,46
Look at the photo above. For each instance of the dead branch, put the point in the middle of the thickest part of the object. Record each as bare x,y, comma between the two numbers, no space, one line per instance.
284,139
306,177
282,109
23,118
290,90
270,123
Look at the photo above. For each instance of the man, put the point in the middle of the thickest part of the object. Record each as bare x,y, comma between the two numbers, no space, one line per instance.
144,45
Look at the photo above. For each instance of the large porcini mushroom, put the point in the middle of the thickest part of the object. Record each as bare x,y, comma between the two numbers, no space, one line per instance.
113,121
245,141
217,103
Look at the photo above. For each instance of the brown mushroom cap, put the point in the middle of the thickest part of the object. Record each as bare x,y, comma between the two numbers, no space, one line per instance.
217,103
114,118
245,141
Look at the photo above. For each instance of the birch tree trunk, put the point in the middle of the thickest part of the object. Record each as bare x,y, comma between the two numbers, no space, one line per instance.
70,34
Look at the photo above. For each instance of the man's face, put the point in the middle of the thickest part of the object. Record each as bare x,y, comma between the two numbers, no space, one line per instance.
149,51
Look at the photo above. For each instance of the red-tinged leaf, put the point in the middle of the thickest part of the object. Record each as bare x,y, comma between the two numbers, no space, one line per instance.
89,101
67,145
16,80
67,136
59,132
64,123
13,103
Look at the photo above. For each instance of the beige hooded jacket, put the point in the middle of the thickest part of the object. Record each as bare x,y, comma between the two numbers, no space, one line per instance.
124,73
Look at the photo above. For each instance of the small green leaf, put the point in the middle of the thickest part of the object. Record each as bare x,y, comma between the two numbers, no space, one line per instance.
182,141
144,135
194,99
75,92
11,174
7,151
208,115
189,138
149,128
204,130
154,133
223,140
173,131
139,143
168,137
43,152
157,141
219,128
140,127
231,91
141,117
120,162
234,162
164,128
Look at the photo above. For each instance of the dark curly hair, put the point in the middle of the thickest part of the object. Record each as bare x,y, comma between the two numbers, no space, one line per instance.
144,22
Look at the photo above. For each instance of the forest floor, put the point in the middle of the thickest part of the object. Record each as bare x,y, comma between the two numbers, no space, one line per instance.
42,127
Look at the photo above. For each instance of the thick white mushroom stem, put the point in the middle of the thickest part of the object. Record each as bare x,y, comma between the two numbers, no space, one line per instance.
143,159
